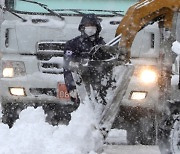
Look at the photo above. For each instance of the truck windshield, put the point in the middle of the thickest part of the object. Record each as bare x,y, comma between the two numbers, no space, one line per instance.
75,6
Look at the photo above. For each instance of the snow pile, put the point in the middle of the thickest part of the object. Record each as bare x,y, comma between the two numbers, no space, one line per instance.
116,136
32,135
176,47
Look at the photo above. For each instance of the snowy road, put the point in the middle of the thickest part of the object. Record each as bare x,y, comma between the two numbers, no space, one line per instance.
131,149
117,144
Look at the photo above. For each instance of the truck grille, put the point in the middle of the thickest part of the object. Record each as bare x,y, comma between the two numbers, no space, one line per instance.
50,56
51,46
41,91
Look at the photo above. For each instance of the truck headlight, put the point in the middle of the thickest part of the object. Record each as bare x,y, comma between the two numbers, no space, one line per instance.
13,69
8,72
17,91
148,76
138,95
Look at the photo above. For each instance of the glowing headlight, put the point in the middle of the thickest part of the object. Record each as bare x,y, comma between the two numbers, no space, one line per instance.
17,91
148,76
13,69
8,72
138,95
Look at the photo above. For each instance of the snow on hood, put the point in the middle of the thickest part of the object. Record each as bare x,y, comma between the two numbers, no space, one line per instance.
51,22
32,135
176,47
58,23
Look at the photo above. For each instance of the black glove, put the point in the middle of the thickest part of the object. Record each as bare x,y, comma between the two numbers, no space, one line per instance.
100,52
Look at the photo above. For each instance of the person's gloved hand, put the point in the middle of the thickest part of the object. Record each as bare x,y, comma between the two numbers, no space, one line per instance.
81,65
93,52
74,65
102,52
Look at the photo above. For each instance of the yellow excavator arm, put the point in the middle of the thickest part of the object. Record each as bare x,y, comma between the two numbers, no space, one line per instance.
137,17
141,14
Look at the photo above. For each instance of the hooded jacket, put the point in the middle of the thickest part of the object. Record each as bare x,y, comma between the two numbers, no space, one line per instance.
80,47
90,19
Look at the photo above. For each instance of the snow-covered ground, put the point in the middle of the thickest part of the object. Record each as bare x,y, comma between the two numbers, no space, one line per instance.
117,143
32,135
131,149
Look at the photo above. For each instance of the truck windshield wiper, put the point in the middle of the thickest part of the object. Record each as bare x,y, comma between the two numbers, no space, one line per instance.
6,9
80,11
45,7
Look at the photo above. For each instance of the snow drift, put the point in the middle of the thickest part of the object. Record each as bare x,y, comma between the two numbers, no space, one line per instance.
32,135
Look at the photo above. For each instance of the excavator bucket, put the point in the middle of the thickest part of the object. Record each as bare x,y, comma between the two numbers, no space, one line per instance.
116,73
123,74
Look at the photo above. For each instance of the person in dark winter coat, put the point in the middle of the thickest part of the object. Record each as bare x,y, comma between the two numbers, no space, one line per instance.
78,49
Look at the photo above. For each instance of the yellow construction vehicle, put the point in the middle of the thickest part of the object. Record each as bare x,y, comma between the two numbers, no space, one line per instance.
166,113
145,104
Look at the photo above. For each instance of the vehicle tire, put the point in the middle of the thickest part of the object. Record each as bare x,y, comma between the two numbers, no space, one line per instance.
169,135
147,138
10,113
132,137
147,132
56,114
141,133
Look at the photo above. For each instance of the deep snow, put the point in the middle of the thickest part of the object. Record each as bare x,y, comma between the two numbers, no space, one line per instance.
176,47
32,135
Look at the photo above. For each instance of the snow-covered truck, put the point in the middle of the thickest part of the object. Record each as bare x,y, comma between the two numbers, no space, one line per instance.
33,34
32,37
31,45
